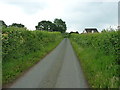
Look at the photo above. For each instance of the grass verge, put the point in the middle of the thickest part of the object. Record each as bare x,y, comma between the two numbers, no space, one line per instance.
100,70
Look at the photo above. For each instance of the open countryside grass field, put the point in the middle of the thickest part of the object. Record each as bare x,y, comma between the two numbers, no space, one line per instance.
99,56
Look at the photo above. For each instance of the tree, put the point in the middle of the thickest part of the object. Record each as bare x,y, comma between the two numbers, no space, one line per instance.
2,24
60,25
45,26
74,32
17,25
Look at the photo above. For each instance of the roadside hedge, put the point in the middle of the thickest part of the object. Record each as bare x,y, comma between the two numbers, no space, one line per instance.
22,49
100,57
18,42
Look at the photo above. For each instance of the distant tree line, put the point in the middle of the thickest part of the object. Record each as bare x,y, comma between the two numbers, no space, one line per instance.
58,25
2,24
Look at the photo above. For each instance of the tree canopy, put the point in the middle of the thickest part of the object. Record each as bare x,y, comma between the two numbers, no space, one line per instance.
58,25
17,25
45,26
61,25
2,23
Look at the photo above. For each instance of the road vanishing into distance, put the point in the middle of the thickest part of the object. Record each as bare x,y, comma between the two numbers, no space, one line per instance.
59,69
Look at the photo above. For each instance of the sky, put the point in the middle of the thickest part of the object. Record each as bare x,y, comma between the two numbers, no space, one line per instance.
78,14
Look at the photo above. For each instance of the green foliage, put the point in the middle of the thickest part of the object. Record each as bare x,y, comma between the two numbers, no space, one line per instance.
22,48
58,26
45,26
99,57
2,24
17,25
61,25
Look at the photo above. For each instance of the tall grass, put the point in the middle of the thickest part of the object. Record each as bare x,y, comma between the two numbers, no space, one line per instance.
21,49
99,57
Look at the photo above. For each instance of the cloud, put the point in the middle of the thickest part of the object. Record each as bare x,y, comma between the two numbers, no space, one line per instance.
29,7
93,14
78,14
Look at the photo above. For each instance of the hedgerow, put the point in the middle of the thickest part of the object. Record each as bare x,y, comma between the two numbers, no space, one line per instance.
99,57
22,48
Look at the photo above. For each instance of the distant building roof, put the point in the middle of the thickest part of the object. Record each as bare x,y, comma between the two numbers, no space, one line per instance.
90,30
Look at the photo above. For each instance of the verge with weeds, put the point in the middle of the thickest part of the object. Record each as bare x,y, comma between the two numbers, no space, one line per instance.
99,57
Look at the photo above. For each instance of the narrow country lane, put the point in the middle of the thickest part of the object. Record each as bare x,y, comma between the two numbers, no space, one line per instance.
59,69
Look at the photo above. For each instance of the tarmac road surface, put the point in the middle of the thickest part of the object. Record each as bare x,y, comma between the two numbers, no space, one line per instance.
59,69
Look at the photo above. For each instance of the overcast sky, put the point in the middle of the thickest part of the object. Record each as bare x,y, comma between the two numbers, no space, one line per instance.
76,13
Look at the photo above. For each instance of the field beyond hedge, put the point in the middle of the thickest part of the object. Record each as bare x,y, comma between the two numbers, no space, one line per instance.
99,57
21,49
